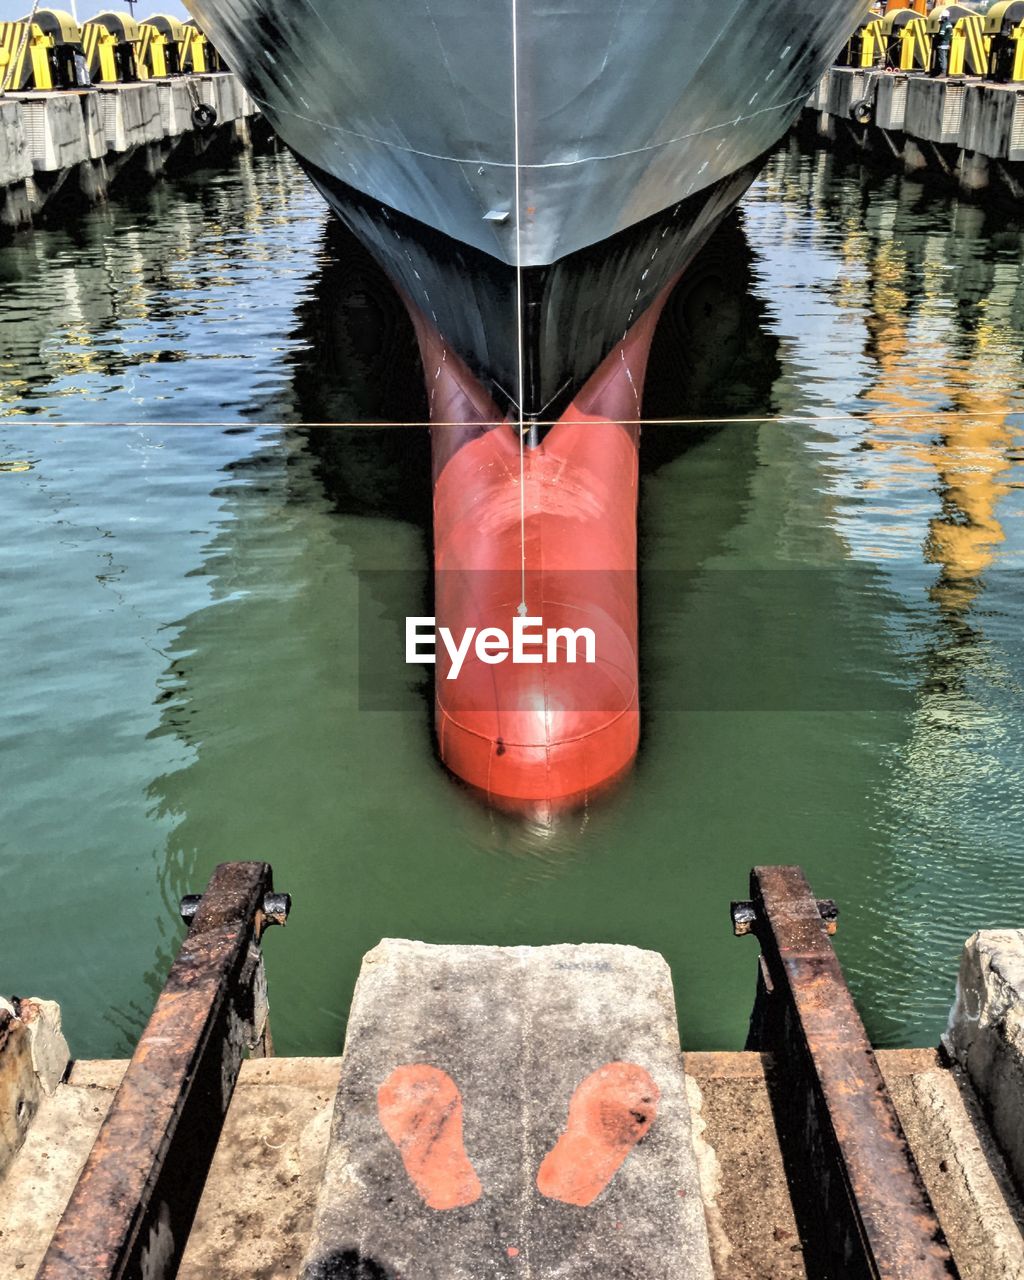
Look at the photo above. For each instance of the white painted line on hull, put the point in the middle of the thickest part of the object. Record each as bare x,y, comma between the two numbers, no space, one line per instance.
547,164
519,307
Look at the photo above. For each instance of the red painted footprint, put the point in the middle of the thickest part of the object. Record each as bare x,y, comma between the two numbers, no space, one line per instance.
420,1109
608,1115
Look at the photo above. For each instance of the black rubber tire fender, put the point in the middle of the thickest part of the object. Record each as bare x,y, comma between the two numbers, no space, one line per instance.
862,111
204,116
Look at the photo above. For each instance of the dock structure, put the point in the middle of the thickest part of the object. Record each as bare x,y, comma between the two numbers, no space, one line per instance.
77,144
519,1111
967,132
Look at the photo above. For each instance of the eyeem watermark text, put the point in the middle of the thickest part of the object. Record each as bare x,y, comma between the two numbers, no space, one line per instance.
530,641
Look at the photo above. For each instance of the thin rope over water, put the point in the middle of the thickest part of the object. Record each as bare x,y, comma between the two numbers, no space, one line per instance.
786,420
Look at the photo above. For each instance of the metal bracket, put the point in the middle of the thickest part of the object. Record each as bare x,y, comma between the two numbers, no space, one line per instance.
744,916
276,907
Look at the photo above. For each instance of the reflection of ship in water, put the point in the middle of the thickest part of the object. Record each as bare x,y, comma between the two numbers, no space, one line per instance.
263,688
354,360
946,385
942,297
960,387
534,180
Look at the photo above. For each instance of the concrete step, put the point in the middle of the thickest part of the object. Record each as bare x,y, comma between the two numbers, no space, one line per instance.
511,1112
256,1214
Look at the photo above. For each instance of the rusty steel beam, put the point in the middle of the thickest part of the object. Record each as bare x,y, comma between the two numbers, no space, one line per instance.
135,1200
861,1204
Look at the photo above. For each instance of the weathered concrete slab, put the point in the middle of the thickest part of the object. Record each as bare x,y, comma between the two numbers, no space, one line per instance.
754,1234
818,100
256,1215
20,1090
94,131
55,132
993,122
226,94
847,85
752,1228
935,109
49,1049
40,1180
33,1059
514,1033
131,115
15,159
986,1033
963,1170
176,105
891,101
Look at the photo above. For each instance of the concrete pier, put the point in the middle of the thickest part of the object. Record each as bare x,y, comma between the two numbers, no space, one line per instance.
256,1217
963,131
76,143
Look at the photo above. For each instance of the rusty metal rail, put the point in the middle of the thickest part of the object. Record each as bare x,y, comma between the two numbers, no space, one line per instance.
132,1208
861,1205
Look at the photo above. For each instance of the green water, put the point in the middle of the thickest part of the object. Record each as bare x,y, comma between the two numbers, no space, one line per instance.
831,610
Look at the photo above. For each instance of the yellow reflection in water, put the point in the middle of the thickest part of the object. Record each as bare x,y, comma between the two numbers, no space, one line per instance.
959,385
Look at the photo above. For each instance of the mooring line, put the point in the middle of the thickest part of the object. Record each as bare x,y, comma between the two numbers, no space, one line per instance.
14,66
519,308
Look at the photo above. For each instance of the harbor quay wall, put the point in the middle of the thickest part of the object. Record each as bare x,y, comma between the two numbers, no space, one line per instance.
968,132
75,145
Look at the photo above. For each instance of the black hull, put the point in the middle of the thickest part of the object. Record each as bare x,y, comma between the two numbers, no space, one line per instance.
575,310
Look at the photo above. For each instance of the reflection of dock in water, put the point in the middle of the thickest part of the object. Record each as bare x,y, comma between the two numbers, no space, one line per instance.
930,291
959,393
